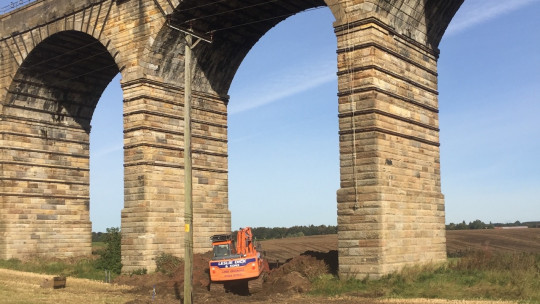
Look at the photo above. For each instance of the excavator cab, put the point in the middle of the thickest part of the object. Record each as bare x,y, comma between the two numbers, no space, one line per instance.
223,246
222,250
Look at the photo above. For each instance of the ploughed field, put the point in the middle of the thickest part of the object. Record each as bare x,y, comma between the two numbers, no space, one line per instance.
280,250
520,240
287,257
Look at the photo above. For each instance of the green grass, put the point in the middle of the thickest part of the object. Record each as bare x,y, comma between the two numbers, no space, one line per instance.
478,275
98,245
85,268
80,268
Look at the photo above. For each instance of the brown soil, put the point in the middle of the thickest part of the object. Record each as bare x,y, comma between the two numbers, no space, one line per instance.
291,278
280,250
294,261
170,286
520,240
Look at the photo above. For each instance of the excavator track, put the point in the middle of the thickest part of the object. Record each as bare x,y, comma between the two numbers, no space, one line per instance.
256,285
217,287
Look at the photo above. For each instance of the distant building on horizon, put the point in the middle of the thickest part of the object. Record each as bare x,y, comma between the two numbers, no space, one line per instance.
513,227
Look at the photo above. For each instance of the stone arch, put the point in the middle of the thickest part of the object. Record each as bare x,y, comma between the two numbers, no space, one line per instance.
46,121
387,110
167,47
84,18
338,10
438,16
214,67
61,60
217,62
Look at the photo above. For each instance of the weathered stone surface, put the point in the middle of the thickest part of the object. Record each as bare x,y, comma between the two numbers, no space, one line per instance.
58,56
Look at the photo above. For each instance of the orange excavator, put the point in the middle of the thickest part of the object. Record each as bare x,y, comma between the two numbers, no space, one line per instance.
233,266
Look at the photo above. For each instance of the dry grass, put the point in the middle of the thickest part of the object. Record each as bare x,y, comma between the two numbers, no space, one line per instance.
22,287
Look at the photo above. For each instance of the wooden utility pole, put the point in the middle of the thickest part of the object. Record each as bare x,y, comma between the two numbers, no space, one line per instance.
188,185
188,179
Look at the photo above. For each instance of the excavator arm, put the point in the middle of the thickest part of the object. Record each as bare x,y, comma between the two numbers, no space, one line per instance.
244,241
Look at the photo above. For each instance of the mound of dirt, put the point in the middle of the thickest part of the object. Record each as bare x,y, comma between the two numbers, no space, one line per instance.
292,277
291,282
170,285
296,274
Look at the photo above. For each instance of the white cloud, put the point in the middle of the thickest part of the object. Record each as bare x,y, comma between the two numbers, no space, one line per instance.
105,151
282,84
474,12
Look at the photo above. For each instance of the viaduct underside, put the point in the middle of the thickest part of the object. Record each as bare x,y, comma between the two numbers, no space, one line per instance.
58,56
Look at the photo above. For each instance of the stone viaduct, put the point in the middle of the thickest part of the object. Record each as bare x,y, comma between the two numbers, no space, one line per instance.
57,57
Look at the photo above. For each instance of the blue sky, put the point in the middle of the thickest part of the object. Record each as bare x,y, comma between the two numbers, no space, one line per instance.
284,147
283,126
489,84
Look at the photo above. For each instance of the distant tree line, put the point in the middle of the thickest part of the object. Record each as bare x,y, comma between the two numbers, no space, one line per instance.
262,233
266,233
478,224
